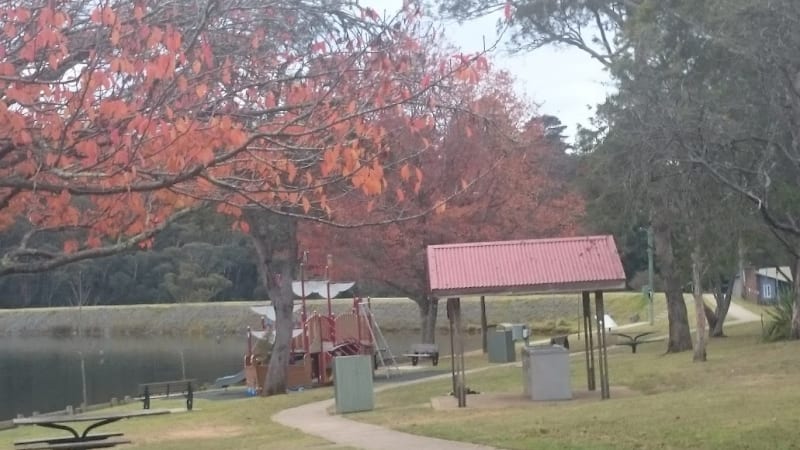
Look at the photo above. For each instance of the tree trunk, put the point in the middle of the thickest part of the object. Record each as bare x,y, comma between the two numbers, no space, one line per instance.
282,300
275,240
796,293
723,299
428,309
699,305
711,316
680,337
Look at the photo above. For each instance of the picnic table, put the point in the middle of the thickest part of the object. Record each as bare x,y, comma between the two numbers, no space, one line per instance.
633,341
79,440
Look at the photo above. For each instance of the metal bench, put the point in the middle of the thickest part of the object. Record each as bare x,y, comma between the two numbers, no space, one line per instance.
107,440
633,341
147,390
62,439
423,351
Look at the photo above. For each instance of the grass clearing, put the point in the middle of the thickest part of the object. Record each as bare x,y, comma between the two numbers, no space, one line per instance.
214,424
743,397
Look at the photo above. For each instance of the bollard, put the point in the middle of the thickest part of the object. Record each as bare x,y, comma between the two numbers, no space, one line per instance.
70,410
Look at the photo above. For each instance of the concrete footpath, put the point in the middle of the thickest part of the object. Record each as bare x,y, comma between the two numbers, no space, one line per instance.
313,418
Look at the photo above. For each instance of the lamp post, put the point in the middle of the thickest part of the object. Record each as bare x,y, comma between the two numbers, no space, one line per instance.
303,316
85,402
650,270
328,281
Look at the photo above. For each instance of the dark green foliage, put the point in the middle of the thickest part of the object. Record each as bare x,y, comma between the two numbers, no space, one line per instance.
196,259
779,318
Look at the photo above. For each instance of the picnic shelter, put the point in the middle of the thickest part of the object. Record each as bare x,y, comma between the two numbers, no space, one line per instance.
587,264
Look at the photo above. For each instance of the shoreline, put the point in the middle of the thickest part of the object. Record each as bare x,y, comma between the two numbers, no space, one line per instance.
557,313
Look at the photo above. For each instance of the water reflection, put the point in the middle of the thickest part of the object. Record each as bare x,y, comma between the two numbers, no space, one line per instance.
43,374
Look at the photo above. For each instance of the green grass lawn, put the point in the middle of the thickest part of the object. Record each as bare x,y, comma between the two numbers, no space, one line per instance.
236,424
745,396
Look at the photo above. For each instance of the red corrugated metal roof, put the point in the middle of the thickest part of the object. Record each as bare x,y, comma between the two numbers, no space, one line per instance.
539,265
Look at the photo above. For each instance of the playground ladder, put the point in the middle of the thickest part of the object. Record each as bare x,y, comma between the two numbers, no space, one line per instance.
379,339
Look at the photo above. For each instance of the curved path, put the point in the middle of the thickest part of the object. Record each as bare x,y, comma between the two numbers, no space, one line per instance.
738,313
313,418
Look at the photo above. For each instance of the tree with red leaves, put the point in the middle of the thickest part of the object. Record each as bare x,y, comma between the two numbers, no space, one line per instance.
513,182
119,117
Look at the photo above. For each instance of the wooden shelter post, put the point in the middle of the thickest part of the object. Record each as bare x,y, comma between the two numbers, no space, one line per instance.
602,360
484,326
588,341
457,364
450,321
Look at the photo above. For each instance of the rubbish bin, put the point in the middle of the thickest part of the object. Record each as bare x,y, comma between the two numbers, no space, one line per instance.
545,372
519,331
501,345
352,383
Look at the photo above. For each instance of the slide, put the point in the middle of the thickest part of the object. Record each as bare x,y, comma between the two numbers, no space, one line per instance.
230,380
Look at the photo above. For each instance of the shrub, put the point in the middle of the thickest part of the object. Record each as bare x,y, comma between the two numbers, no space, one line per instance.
779,318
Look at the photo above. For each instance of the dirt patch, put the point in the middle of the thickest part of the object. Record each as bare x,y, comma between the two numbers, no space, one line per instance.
499,400
196,431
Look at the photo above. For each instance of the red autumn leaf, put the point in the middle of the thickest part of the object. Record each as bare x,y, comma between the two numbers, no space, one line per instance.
508,12
405,172
71,246
318,46
426,81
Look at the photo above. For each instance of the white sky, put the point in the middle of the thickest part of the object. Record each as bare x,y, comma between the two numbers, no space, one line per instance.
565,82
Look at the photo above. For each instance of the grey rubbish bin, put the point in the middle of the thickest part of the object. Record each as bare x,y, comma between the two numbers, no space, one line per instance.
519,331
352,383
500,344
545,371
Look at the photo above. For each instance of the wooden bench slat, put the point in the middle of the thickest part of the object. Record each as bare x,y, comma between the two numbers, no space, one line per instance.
59,439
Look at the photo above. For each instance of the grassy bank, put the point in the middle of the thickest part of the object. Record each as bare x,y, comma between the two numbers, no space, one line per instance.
545,314
743,397
241,424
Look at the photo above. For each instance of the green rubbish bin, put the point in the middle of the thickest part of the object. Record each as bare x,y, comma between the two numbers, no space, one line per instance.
500,343
352,384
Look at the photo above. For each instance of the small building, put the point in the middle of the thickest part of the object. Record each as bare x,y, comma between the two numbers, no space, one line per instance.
763,285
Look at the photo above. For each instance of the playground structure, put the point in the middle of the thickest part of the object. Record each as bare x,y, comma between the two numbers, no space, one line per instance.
316,339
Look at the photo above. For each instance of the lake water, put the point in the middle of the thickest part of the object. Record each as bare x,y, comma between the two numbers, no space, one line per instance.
44,374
